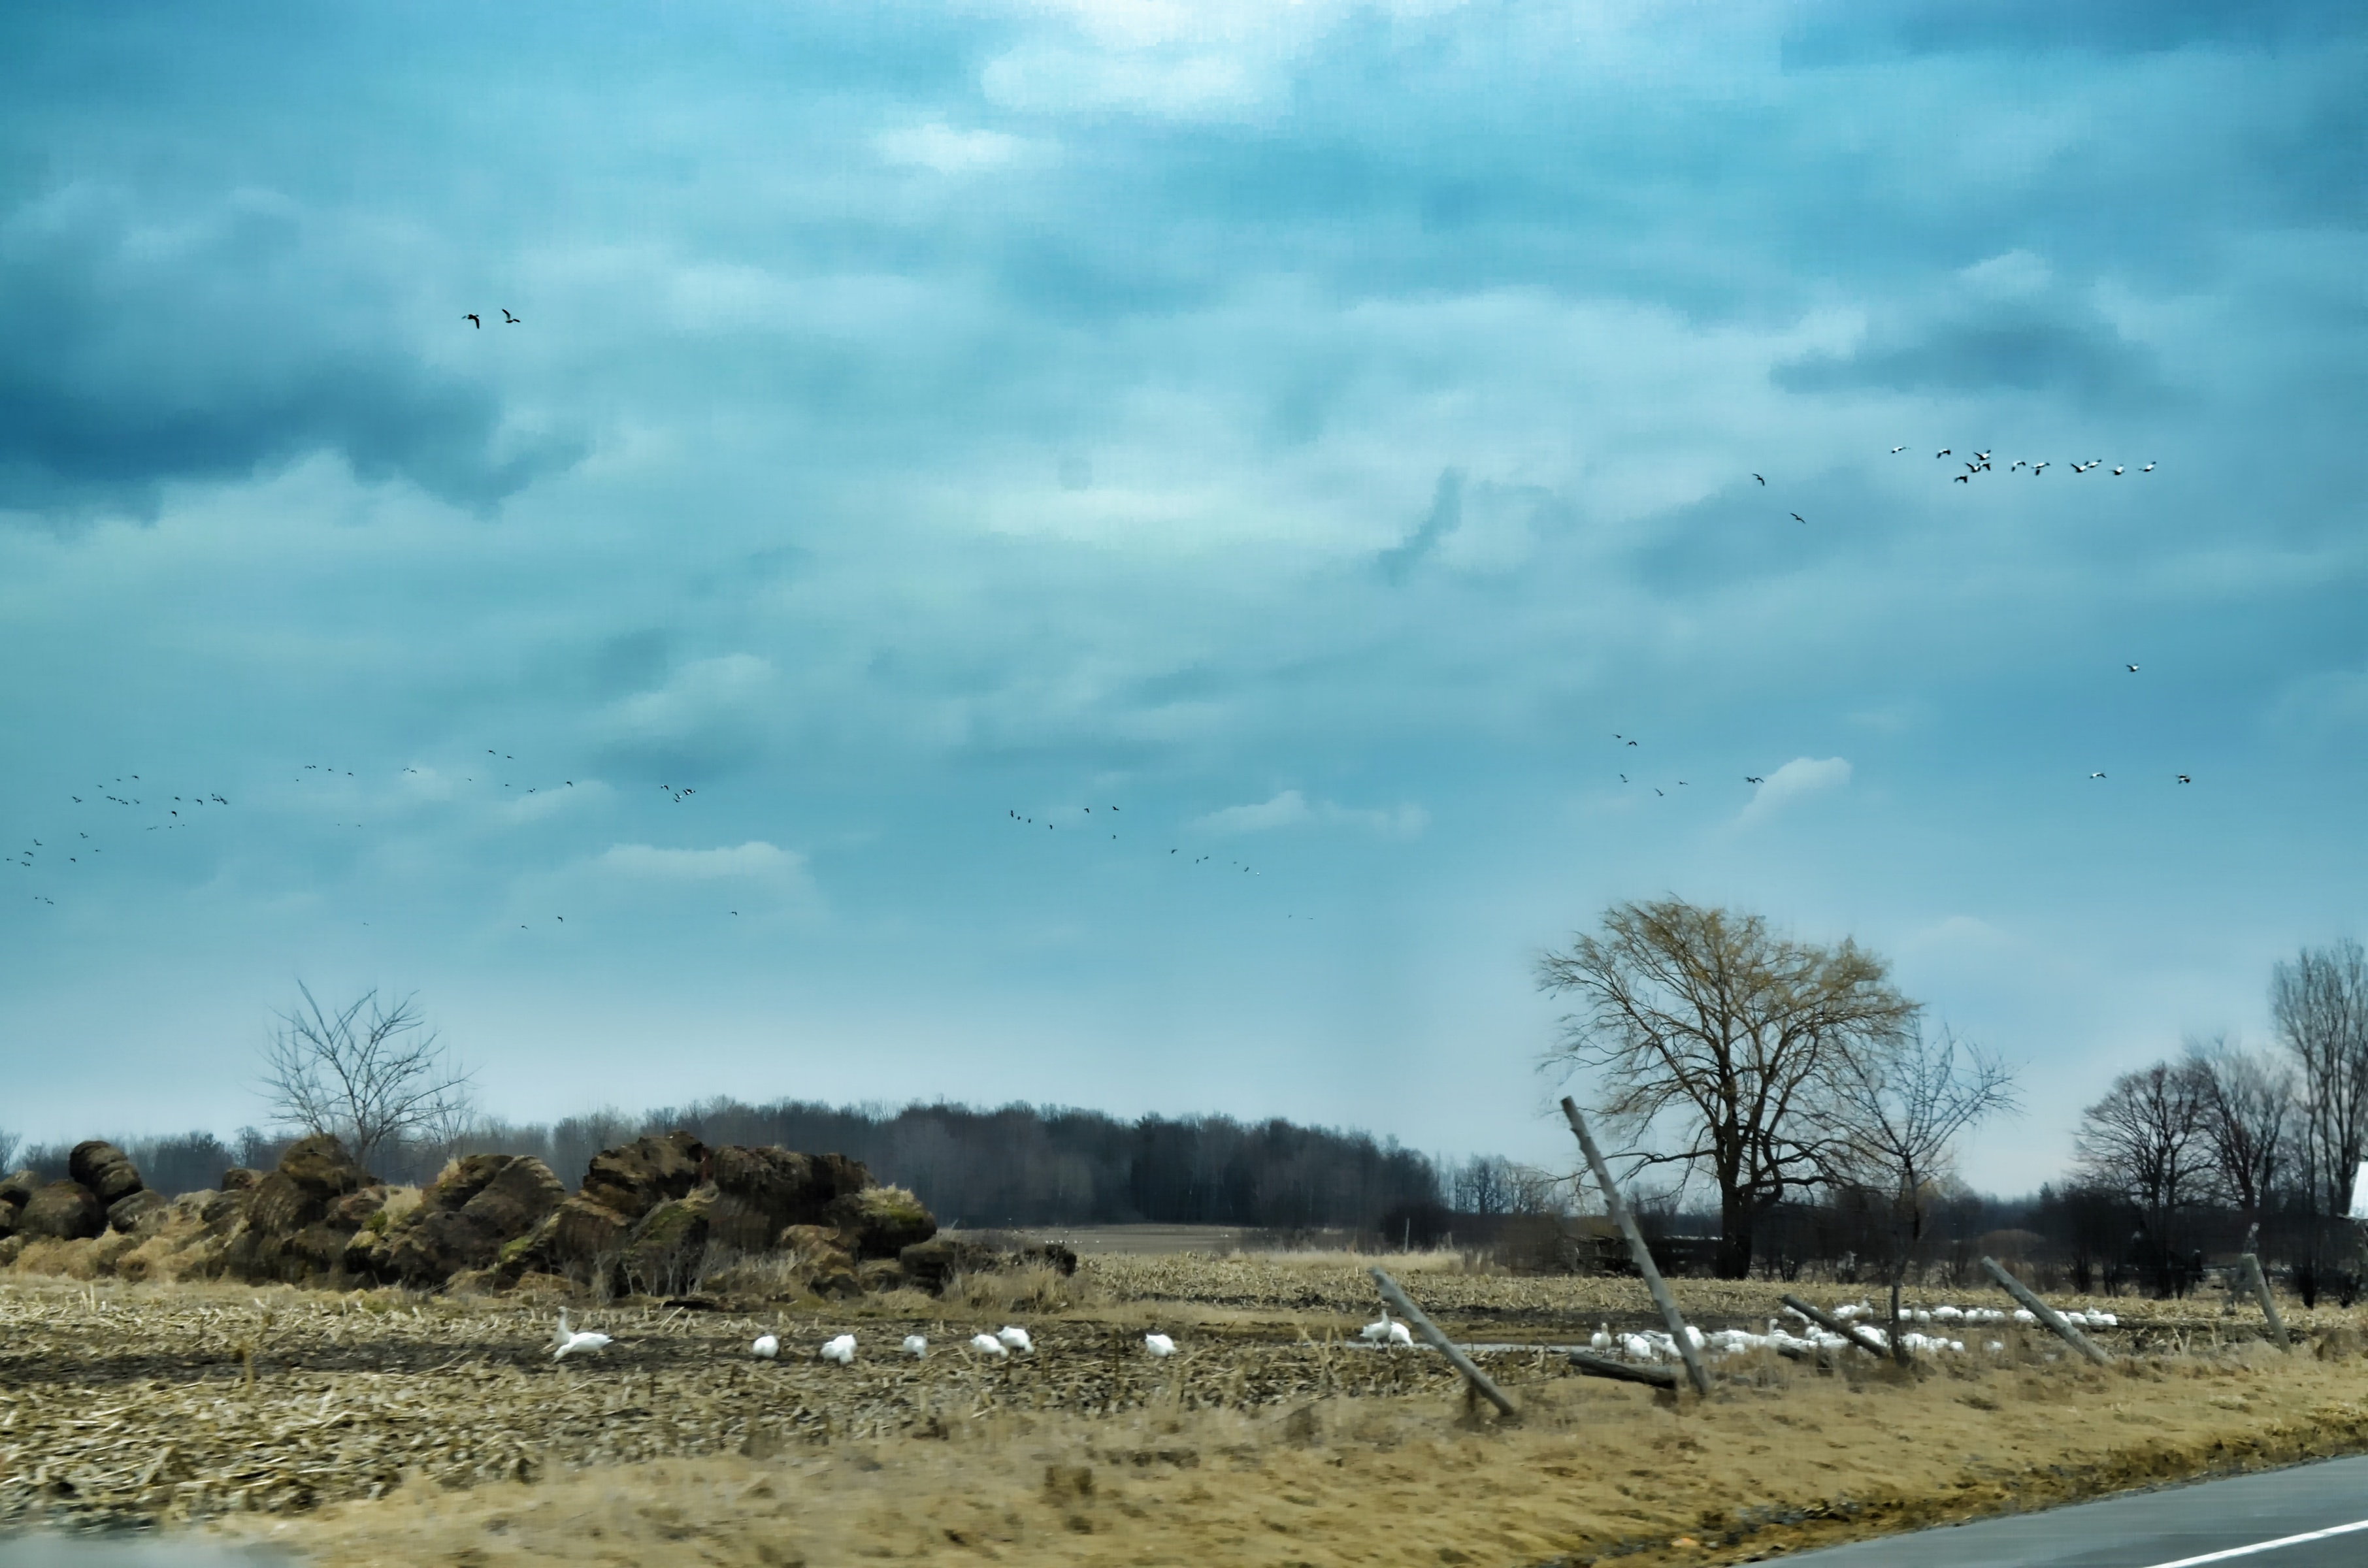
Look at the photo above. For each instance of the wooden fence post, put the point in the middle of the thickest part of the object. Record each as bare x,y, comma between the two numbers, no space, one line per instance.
1444,1345
1695,1372
2045,1313
2251,1263
1604,1367
1833,1325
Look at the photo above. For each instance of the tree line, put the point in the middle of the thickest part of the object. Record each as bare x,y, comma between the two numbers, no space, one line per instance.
2225,1146
1014,1166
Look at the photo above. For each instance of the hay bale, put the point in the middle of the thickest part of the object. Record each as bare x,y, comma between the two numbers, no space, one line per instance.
881,1222
64,1211
635,1178
107,1170
127,1213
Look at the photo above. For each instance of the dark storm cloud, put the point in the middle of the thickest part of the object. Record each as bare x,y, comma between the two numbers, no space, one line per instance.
2015,347
135,352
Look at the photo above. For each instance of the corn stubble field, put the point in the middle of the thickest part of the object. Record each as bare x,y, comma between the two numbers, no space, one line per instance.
380,1427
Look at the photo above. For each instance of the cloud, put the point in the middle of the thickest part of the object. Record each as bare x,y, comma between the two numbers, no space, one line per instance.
135,353
754,859
706,716
1797,779
944,149
1446,512
2003,325
1291,809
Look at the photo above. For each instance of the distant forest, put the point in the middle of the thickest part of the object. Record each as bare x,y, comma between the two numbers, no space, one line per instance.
1015,1165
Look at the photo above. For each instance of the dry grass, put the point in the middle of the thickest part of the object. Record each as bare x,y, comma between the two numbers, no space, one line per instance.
386,1426
1775,1463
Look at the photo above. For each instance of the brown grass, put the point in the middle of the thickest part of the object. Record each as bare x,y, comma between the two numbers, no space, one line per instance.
384,1426
1776,1463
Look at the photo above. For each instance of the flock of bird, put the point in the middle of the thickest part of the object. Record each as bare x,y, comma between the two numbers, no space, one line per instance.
1982,463
131,792
840,1349
1653,1345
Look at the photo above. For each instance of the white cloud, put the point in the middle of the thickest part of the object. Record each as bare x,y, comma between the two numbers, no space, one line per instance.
938,146
1291,809
755,858
1802,776
1286,810
701,695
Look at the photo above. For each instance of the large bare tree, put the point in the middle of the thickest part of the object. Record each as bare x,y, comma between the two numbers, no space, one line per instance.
2247,1103
1703,1028
1894,1109
2146,1139
372,1074
2319,1003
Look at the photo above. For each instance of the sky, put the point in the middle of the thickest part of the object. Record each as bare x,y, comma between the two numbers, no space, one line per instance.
1110,552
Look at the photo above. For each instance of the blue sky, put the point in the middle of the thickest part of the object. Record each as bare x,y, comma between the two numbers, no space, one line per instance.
1305,435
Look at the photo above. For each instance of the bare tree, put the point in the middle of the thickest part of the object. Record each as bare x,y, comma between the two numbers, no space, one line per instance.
372,1074
1700,1025
1893,1113
2247,1103
9,1141
2320,1004
2146,1141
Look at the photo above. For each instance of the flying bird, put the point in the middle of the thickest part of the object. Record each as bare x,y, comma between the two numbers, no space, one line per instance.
2131,668
2117,470
1942,453
1964,479
510,319
2184,778
1896,450
1763,483
1798,519
1747,779
2095,775
2148,469
472,319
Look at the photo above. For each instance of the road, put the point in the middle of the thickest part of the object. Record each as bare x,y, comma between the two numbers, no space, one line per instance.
2280,1518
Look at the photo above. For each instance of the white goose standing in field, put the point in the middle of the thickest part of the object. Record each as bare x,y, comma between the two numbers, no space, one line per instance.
767,1345
841,1350
915,1345
1159,1345
567,1341
987,1344
1015,1338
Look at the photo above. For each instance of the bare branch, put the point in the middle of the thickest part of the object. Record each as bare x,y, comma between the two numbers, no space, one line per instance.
1703,1025
373,1075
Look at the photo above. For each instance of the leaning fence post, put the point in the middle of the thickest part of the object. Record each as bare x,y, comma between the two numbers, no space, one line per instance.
2251,1263
1444,1345
1695,1372
2045,1313
1833,1325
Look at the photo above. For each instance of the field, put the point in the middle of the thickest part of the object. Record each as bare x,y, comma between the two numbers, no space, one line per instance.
379,1426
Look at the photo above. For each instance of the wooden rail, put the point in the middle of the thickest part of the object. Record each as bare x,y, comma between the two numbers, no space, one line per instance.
1695,1372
